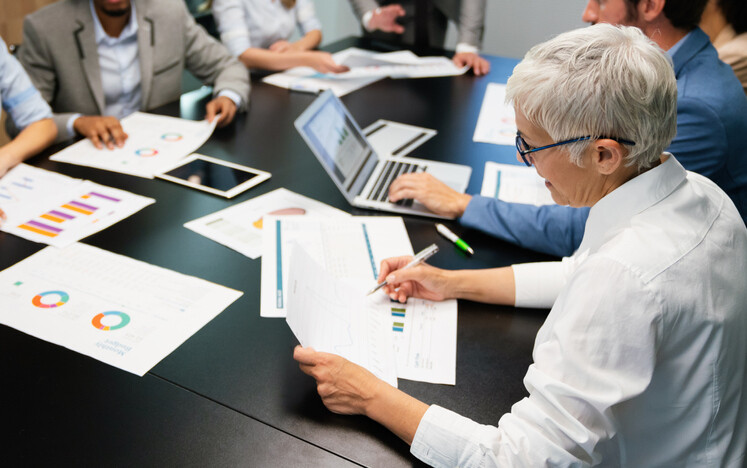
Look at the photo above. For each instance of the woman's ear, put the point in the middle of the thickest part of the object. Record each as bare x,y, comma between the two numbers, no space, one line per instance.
608,156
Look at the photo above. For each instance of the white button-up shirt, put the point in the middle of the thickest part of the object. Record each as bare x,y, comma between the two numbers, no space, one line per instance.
260,23
641,361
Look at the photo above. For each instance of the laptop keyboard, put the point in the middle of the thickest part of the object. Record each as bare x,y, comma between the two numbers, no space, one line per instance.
390,171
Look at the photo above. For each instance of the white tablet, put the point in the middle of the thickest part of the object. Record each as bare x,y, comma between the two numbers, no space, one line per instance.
214,175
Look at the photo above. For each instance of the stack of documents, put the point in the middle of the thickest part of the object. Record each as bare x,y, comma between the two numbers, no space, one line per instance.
366,67
54,209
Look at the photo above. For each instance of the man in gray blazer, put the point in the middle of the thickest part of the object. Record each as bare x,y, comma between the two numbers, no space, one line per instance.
96,61
414,21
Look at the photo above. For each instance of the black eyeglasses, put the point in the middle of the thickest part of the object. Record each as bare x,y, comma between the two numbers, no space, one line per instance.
523,148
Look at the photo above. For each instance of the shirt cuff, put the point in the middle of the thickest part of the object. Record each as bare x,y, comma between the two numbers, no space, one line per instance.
365,19
232,95
539,284
69,126
445,438
463,47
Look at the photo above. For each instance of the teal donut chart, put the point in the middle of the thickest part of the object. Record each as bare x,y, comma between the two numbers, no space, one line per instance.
124,320
64,297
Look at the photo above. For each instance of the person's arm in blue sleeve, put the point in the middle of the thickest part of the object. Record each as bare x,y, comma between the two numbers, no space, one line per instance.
551,229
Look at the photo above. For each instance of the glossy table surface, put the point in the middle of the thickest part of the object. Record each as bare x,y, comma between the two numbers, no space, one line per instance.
232,394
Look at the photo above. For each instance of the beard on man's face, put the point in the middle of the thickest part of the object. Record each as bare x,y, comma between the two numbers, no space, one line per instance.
116,12
116,8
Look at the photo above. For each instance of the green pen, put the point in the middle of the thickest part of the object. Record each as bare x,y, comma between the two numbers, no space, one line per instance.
446,232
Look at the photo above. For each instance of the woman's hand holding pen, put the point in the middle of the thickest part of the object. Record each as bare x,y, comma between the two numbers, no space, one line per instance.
422,281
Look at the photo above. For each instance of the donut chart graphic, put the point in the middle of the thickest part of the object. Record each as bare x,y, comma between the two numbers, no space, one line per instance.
171,136
146,152
124,319
37,300
281,212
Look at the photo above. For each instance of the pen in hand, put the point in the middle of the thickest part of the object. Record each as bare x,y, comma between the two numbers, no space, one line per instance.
422,256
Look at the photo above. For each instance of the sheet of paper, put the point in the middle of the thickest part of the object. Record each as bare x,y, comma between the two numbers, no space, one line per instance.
308,80
366,67
364,63
50,208
154,143
346,247
239,227
396,139
120,311
515,184
335,316
496,123
424,338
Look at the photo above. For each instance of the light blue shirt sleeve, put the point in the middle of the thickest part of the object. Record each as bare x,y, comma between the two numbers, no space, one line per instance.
551,229
23,103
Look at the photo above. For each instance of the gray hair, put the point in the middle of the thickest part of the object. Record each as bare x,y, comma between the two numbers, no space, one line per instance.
601,81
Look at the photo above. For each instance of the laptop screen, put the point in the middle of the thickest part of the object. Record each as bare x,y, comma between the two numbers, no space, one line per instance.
336,139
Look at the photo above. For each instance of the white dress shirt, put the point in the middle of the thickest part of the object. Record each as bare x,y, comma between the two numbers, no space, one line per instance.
641,361
260,23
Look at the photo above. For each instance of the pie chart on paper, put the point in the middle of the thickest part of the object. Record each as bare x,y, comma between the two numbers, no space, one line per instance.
281,212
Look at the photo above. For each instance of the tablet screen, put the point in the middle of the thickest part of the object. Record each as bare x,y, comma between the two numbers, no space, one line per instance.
210,174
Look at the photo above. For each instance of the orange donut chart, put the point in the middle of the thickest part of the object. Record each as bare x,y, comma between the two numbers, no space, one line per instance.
37,300
124,319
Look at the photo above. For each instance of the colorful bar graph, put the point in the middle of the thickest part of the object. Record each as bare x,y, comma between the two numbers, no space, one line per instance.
101,195
30,227
79,207
84,206
51,217
398,313
60,214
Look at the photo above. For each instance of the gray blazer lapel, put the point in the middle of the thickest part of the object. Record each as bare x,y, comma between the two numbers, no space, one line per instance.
145,43
88,53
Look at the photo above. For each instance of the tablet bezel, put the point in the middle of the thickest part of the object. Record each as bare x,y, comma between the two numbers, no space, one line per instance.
260,176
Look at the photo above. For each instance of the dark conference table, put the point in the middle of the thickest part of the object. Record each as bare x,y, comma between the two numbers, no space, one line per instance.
232,393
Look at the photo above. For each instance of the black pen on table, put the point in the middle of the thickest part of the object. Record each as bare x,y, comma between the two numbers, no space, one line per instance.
422,256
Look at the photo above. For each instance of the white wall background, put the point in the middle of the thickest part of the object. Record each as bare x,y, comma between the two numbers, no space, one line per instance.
511,26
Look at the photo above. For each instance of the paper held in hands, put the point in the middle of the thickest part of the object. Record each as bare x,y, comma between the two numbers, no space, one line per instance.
334,315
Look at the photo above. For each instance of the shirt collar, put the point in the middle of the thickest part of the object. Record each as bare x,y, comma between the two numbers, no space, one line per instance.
634,196
672,50
101,36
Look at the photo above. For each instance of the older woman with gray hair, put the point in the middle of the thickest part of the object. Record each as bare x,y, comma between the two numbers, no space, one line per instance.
641,361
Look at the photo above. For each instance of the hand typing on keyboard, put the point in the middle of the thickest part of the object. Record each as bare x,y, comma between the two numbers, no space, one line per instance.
431,192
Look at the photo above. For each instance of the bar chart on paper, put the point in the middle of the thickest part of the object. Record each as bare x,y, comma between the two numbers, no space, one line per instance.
424,339
58,210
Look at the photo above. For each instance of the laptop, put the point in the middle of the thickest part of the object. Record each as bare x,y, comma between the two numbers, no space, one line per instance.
362,176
